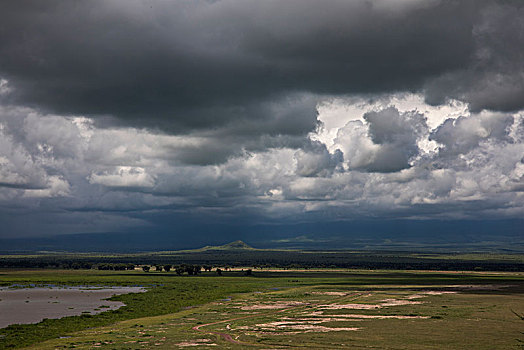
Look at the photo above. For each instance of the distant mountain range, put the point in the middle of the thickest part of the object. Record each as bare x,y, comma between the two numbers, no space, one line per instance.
436,236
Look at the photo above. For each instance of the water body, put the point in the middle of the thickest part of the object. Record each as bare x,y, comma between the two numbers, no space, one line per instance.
32,305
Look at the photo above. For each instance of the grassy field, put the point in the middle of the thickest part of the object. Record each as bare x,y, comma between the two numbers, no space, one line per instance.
286,309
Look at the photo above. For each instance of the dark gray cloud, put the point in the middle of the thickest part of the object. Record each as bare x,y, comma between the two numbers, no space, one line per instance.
181,65
494,77
397,134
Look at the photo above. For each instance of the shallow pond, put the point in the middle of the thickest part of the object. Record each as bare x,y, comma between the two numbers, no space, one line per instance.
32,305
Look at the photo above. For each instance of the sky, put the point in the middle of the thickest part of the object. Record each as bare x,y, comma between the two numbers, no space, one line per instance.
166,116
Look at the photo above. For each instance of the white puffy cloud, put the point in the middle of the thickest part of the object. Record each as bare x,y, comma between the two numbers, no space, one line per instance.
315,160
18,168
459,136
4,87
123,176
384,141
386,157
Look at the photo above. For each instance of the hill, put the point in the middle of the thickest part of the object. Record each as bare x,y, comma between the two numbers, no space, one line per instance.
235,246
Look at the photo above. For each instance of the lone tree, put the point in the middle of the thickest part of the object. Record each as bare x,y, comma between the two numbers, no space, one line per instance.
146,268
219,272
167,268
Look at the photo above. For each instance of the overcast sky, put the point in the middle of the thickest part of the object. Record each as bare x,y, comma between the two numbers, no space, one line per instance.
118,115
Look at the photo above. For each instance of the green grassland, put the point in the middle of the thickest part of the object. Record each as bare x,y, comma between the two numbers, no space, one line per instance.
285,309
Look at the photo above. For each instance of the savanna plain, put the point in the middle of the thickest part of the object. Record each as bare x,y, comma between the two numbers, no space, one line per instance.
283,309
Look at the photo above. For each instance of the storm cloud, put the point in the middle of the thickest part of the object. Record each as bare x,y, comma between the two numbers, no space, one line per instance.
114,112
205,63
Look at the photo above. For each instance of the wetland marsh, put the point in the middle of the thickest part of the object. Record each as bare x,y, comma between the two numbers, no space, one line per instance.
32,305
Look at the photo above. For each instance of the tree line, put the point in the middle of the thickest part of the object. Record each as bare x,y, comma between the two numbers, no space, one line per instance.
187,263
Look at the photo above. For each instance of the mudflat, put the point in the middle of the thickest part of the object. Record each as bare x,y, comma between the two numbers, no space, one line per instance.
32,305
